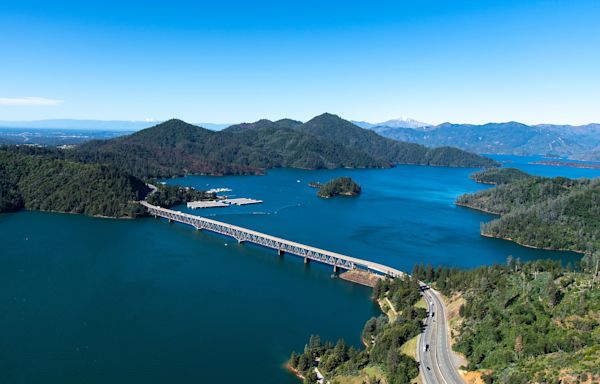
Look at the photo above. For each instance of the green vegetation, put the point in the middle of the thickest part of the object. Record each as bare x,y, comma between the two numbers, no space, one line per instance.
33,179
499,175
168,195
552,213
339,186
327,141
384,340
535,322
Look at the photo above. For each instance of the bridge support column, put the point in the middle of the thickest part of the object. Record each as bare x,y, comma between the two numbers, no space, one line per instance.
306,260
170,220
156,216
335,269
280,252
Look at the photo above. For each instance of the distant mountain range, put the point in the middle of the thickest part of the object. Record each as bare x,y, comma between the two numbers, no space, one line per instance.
401,122
326,141
576,142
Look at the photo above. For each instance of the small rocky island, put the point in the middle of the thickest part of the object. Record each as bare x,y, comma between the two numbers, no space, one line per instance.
340,186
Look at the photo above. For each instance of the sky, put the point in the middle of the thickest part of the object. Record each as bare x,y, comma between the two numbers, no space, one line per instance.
461,61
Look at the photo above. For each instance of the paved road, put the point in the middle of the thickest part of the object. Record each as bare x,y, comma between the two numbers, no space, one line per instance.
434,350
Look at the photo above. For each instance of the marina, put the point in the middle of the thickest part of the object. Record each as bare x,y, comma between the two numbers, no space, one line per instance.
221,203
242,201
206,204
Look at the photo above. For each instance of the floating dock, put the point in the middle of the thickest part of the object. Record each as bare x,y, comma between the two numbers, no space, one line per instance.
242,201
206,204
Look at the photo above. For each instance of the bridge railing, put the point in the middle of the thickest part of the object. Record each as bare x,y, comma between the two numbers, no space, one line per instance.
281,245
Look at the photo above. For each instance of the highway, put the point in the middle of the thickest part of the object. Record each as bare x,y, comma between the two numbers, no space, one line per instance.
433,349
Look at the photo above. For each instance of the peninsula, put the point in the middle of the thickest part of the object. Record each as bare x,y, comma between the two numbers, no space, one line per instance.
550,213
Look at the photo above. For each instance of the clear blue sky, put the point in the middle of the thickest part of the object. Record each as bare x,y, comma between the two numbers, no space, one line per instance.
227,61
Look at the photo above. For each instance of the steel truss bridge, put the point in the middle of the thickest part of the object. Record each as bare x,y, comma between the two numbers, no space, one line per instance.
338,261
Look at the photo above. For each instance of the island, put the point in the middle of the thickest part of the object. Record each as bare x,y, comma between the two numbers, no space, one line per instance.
339,186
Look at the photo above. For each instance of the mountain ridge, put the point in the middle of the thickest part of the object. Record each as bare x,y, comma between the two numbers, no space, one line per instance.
576,142
326,141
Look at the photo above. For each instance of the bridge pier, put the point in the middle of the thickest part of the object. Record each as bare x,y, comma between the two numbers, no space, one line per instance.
335,269
280,252
306,260
170,220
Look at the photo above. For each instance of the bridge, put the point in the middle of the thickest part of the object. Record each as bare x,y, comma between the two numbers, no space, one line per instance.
338,261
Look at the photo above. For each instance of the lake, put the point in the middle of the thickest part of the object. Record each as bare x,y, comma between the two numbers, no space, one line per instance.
99,300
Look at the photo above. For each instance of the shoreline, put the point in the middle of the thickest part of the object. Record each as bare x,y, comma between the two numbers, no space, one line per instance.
530,246
476,208
488,235
293,370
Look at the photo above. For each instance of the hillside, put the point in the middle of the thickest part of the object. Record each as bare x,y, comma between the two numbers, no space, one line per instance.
577,142
552,213
42,182
526,323
327,141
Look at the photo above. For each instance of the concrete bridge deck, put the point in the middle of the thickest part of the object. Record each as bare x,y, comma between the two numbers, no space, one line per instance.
282,246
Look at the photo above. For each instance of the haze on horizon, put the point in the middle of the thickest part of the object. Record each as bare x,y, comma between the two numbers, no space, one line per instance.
434,61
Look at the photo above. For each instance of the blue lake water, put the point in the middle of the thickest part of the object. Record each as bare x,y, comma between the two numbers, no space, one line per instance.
100,300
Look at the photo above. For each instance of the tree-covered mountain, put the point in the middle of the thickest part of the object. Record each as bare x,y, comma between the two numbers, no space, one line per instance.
177,148
35,180
578,142
327,141
553,213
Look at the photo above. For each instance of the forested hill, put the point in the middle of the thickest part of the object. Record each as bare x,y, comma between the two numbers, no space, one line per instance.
553,213
327,141
38,181
519,323
176,148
